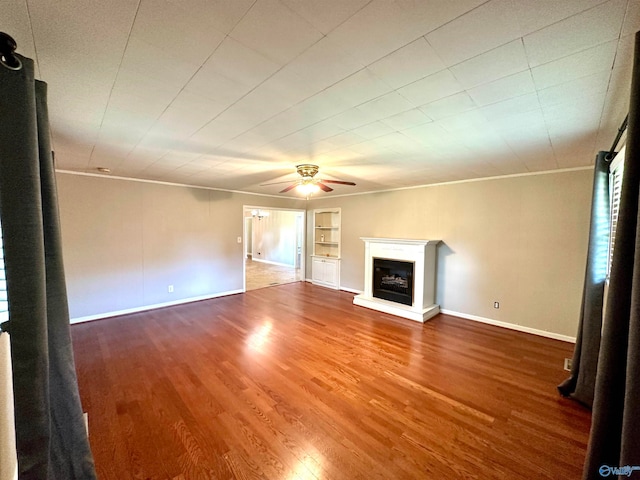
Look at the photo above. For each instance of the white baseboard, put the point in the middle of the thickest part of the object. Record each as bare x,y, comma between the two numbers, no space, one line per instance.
351,290
144,308
510,326
346,289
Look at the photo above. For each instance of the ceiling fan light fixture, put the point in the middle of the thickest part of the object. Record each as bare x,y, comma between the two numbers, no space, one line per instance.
307,188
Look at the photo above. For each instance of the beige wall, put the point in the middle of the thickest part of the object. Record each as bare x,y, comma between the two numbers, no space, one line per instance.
125,242
274,237
521,241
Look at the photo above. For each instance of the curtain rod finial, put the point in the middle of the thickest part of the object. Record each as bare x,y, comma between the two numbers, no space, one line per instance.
7,52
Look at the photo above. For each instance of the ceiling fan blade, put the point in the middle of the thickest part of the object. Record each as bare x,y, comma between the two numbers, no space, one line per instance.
324,187
276,183
339,182
290,187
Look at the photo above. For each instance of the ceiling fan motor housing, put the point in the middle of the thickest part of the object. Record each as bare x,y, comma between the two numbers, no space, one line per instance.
307,171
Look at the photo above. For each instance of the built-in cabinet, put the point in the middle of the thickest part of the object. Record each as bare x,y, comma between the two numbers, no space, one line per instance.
325,264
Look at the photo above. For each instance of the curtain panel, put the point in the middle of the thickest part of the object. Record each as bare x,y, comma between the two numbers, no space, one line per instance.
614,444
581,383
51,439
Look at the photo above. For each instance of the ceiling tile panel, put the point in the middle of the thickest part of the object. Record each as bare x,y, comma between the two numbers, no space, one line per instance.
429,134
345,139
575,90
458,103
408,119
287,85
373,130
275,31
591,108
145,59
503,89
482,29
580,32
470,123
427,15
511,107
581,64
408,64
348,84
431,88
222,15
521,125
217,88
500,62
143,86
322,65
319,107
236,64
632,19
375,31
352,118
533,16
385,106
177,30
325,15
15,21
358,88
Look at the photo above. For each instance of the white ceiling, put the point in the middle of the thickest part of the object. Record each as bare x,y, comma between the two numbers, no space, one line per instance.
235,93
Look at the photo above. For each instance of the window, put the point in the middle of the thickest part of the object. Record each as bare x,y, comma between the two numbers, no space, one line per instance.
4,306
615,189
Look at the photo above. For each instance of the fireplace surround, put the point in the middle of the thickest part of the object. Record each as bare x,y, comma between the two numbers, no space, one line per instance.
400,277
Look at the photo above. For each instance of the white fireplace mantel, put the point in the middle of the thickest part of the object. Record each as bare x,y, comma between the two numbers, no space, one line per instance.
422,253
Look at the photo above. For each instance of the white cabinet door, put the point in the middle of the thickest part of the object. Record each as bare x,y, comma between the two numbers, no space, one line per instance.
325,272
317,270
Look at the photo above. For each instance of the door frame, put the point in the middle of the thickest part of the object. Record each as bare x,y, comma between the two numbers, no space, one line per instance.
301,234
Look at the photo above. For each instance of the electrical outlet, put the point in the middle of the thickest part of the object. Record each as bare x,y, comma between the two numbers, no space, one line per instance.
170,289
567,364
496,304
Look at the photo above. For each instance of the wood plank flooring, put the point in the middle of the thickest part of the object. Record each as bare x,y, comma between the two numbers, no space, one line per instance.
261,274
295,382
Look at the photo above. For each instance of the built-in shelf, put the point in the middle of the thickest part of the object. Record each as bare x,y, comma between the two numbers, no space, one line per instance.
325,265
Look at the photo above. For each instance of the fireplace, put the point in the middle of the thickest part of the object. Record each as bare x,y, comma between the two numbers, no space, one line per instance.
400,277
393,280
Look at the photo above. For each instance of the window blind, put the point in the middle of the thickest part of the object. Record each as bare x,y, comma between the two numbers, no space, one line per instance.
4,306
615,189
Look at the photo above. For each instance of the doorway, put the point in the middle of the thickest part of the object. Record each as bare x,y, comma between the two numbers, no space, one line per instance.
274,246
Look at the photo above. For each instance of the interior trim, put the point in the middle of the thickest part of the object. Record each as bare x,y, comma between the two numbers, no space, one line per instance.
100,316
510,326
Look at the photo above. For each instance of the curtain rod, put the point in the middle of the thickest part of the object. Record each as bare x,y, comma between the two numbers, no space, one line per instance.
621,130
8,58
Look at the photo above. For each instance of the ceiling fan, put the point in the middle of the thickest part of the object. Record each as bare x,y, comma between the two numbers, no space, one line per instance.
307,184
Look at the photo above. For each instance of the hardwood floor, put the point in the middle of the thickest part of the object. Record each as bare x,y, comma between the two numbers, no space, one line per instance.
294,381
261,275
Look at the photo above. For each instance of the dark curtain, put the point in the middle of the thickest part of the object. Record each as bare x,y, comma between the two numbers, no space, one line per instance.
581,383
51,439
615,429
